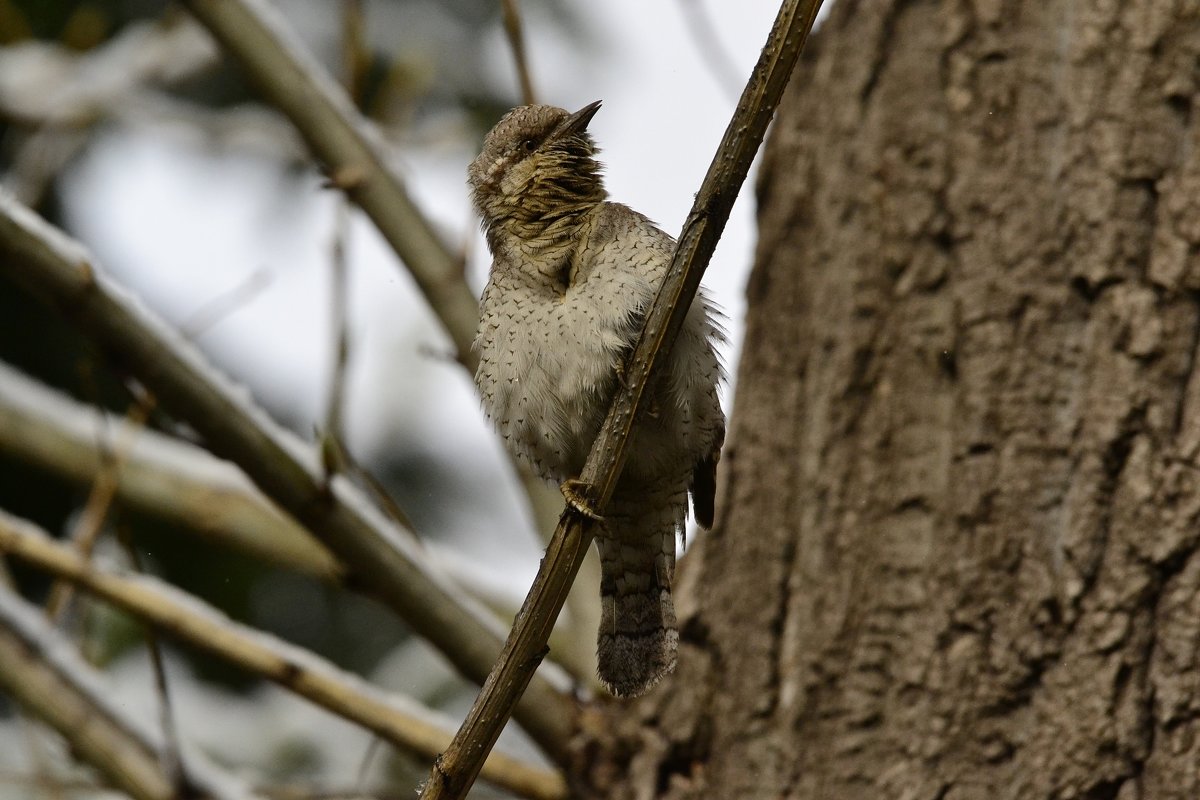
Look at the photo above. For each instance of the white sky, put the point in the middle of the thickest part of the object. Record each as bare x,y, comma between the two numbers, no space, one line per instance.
182,224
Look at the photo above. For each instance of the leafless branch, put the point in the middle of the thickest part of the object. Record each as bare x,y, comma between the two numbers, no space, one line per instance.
57,95
355,57
333,454
516,43
399,720
353,156
350,149
100,497
379,554
454,772
160,476
190,489
41,671
44,84
333,436
171,753
708,44
224,304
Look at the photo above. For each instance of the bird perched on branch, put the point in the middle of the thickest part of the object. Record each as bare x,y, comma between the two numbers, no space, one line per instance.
572,278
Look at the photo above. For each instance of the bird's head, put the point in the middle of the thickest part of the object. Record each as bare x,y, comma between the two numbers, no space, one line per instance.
537,165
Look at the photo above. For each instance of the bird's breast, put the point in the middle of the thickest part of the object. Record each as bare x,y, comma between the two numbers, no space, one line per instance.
546,375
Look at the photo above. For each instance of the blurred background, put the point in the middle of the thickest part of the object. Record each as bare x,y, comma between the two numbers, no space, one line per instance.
120,122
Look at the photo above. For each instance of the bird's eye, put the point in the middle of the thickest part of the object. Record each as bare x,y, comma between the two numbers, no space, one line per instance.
528,145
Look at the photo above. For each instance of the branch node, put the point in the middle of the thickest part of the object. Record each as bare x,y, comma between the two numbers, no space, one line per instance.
347,178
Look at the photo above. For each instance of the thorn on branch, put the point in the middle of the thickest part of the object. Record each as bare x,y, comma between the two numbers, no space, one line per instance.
347,178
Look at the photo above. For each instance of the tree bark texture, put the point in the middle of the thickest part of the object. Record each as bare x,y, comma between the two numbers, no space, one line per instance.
957,544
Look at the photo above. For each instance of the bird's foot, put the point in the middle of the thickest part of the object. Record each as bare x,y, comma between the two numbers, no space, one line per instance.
576,493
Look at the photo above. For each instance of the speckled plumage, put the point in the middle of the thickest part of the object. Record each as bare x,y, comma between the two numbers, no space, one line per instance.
570,282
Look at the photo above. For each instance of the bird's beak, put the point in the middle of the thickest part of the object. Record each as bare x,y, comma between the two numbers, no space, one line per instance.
577,122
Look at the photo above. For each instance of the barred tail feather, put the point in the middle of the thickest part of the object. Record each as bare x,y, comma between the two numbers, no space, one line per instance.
638,638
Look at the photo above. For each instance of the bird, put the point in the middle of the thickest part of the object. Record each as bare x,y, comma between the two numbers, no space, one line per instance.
572,277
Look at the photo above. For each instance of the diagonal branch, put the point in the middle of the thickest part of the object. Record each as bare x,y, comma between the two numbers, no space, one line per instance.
401,721
267,51
455,771
516,42
179,483
40,669
378,553
204,496
712,51
350,149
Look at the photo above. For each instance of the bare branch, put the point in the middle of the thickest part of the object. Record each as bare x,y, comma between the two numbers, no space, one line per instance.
516,43
380,555
160,476
333,437
171,753
356,57
401,721
203,496
40,669
708,45
61,94
349,148
454,773
218,308
353,155
333,455
49,85
86,531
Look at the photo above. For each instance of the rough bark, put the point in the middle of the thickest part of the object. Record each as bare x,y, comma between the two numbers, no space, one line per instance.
956,550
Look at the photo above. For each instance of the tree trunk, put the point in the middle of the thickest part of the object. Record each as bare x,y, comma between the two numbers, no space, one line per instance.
956,553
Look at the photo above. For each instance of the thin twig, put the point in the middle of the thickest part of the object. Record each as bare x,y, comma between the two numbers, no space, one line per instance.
218,308
380,555
114,454
710,48
41,671
516,43
349,148
364,766
100,498
333,449
171,755
454,772
355,58
333,454
400,721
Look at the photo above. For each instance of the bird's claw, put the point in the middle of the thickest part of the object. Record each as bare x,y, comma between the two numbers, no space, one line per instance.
621,376
576,492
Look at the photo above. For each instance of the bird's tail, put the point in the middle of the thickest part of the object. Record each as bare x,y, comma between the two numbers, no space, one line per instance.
638,639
